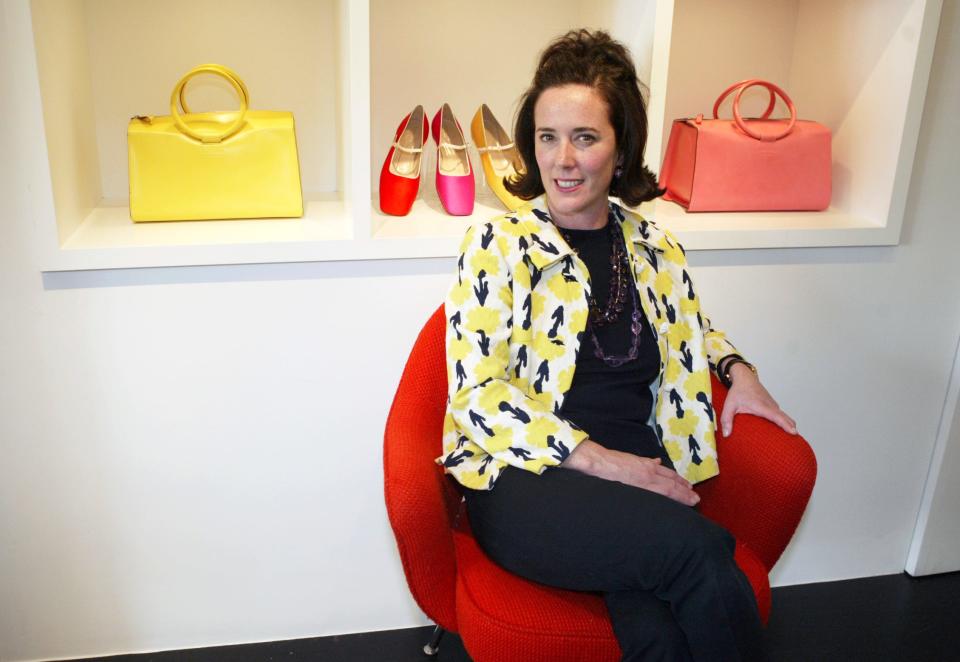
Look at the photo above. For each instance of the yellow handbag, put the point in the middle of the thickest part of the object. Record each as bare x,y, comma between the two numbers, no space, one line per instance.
216,165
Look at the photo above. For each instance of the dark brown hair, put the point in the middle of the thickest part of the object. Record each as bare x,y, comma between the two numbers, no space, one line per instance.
594,59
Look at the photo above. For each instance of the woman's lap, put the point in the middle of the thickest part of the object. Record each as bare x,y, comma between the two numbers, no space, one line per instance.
642,550
567,529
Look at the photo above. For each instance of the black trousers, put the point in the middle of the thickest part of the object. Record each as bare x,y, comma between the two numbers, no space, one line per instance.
666,572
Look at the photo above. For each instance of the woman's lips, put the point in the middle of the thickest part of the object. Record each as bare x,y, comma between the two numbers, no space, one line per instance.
567,185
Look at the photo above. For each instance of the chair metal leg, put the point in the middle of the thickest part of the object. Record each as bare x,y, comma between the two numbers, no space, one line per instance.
433,647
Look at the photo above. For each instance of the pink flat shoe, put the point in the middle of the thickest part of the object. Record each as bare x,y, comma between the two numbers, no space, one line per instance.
454,172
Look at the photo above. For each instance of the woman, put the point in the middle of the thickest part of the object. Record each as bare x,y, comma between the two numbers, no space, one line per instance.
578,359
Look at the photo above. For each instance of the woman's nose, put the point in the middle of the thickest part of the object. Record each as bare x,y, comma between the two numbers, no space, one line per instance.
565,154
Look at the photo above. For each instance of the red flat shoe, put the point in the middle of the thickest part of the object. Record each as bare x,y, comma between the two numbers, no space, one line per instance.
454,172
400,175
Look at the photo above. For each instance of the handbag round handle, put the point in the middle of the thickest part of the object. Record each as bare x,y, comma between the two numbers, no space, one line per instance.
773,89
177,101
746,81
224,71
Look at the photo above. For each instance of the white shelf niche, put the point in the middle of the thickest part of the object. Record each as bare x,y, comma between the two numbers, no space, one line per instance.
858,66
431,52
840,60
99,63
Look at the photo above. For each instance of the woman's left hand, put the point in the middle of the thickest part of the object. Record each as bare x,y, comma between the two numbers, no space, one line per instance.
748,396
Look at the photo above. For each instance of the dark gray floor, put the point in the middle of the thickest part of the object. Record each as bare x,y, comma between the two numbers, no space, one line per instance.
895,617
879,619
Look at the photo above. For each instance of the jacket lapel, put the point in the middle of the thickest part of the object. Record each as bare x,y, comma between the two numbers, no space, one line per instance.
639,231
541,242
646,244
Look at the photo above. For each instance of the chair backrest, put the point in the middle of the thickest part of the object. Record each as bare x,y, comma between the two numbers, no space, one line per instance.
421,501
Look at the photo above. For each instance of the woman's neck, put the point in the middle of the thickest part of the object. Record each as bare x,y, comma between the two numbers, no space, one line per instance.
593,218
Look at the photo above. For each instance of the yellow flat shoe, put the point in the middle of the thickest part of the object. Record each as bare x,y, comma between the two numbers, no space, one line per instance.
498,155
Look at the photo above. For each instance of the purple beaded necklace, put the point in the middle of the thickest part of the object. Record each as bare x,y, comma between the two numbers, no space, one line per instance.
621,286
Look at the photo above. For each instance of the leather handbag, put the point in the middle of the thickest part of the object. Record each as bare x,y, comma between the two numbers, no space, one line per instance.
748,164
213,165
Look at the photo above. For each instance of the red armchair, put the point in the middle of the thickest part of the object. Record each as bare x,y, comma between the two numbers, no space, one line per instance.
765,482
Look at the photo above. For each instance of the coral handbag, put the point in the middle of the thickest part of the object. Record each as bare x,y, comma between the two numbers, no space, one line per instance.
749,164
215,165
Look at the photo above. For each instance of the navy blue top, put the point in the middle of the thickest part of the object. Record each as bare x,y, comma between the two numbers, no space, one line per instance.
612,404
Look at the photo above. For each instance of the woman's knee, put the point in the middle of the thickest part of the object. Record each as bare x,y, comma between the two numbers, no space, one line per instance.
704,541
721,543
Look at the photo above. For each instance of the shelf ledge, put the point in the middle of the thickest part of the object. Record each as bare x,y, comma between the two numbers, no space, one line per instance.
107,239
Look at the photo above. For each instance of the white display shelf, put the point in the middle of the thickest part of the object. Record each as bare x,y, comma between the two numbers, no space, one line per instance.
108,238
428,219
705,231
859,67
832,227
99,63
350,70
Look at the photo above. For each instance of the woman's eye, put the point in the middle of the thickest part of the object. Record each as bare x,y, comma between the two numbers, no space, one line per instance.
545,137
586,138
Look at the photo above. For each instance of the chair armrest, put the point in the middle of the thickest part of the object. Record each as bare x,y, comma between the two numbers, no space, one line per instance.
766,478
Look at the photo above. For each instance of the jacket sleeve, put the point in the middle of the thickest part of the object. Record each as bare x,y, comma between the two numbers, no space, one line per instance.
718,346
490,411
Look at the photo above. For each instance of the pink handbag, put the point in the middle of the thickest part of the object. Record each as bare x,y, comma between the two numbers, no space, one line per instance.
753,164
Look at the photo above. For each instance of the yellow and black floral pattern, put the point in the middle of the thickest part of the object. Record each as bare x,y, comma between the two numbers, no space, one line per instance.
516,316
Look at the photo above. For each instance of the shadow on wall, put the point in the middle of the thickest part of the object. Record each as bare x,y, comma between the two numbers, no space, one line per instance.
230,273
238,273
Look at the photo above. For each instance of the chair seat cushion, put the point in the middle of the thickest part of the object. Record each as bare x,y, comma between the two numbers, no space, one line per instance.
502,617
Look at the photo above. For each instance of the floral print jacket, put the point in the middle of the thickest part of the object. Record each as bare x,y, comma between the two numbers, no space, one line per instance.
515,318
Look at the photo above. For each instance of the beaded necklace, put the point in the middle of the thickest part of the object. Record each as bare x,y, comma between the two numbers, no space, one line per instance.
621,286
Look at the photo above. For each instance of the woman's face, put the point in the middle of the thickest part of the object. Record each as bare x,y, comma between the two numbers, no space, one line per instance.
576,149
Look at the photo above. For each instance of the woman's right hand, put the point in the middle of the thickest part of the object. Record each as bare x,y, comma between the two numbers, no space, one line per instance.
644,472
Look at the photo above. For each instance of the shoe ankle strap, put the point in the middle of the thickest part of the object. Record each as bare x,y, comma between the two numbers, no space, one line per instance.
495,148
408,150
453,146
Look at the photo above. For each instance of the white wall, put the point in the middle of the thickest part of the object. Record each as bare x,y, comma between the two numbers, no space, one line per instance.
934,546
191,456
